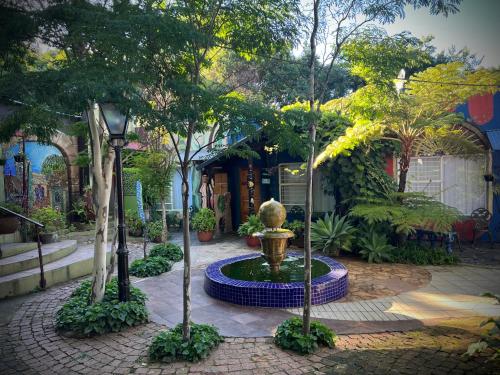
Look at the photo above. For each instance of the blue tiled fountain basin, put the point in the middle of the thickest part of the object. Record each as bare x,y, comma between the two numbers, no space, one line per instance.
326,288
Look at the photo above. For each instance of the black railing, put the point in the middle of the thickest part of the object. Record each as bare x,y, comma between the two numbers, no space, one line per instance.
37,226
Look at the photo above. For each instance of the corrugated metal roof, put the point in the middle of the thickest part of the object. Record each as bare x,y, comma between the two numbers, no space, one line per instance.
494,137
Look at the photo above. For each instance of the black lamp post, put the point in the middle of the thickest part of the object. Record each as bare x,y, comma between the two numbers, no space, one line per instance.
116,124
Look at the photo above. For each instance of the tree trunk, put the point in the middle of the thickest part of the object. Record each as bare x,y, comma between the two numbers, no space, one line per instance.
186,318
164,232
112,258
404,165
306,320
102,178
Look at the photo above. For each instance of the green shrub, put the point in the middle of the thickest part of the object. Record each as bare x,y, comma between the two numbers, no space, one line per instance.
375,247
296,226
52,219
332,234
109,315
204,220
289,336
251,226
168,346
155,228
10,206
152,266
413,253
169,251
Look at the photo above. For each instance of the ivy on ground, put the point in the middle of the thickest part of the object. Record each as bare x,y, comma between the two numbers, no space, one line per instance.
80,318
168,346
152,266
169,251
289,336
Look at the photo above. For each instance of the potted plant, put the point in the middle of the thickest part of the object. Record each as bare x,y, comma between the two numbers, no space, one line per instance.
53,222
155,228
134,223
8,222
79,213
297,227
204,224
248,228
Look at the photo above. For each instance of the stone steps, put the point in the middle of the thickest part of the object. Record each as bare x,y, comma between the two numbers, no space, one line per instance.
77,264
15,248
29,259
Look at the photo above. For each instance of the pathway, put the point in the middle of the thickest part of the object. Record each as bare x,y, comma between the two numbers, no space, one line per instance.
435,293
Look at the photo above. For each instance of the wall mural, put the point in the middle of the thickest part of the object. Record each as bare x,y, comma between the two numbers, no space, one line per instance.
46,175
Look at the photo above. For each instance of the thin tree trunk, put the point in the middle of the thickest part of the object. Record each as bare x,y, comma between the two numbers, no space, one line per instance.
186,318
164,232
306,321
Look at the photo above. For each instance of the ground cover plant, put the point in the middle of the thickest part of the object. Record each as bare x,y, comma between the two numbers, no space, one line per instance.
169,346
490,340
169,251
77,316
289,335
151,266
419,254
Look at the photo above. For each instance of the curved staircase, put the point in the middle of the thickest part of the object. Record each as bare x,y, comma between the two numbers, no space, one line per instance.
62,261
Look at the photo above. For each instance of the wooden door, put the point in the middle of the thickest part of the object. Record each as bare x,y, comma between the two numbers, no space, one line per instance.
244,192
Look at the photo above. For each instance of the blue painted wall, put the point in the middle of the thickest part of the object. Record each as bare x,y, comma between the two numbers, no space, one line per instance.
492,125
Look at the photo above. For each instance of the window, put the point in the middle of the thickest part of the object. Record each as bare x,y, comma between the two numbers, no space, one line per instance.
293,189
292,185
452,180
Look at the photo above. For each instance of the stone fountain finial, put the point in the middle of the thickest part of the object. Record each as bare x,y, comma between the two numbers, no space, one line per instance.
274,239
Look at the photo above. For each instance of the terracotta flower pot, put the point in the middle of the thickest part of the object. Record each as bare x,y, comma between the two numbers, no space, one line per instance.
8,224
205,236
252,241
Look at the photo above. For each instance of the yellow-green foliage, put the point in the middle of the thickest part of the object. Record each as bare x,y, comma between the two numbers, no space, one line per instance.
421,118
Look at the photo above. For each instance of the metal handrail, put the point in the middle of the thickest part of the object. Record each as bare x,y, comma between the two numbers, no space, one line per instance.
37,225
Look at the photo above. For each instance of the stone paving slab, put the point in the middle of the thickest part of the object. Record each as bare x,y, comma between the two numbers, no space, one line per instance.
29,344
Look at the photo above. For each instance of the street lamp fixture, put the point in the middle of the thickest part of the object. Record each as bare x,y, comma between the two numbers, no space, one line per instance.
116,123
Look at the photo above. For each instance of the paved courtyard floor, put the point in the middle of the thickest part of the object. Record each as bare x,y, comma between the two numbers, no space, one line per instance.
420,322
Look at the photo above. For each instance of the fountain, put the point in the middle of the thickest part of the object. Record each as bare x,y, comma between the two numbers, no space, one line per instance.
274,278
273,239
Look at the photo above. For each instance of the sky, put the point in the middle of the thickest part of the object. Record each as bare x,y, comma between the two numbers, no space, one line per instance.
476,26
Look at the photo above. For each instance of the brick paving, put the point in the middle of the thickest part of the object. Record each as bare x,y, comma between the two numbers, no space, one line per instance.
29,344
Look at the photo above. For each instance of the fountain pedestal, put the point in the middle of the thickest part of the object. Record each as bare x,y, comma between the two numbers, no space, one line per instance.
274,244
273,239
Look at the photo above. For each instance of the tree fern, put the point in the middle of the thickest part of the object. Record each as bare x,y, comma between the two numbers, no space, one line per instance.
407,212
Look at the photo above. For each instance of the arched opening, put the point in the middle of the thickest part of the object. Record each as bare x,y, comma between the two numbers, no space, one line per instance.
456,180
47,175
